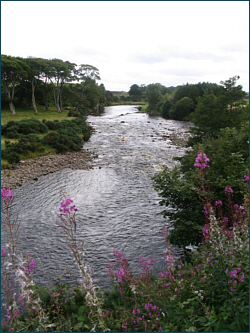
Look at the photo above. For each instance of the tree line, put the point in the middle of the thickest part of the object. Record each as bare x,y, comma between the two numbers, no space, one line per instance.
31,81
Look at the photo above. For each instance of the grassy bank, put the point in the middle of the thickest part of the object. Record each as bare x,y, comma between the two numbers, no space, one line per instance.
24,114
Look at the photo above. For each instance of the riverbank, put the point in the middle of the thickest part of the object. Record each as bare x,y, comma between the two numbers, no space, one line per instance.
31,169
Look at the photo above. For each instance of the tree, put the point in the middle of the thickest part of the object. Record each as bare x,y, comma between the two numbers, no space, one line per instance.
87,71
209,115
153,95
13,71
233,95
59,72
188,90
134,90
167,105
88,75
36,66
182,109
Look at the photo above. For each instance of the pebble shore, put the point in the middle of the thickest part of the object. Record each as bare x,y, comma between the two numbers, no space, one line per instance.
31,169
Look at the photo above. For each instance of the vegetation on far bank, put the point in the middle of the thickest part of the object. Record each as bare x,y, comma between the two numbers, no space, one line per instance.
37,136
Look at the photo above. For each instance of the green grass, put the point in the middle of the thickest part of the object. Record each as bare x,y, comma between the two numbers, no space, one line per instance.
25,113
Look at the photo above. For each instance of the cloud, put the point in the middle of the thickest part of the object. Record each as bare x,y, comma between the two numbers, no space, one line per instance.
147,59
178,53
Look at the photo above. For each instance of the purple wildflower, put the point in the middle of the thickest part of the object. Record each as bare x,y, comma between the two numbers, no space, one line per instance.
3,253
228,190
5,323
6,194
201,161
65,206
246,178
32,266
242,277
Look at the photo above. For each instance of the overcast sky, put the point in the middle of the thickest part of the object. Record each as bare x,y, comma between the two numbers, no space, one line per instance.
134,42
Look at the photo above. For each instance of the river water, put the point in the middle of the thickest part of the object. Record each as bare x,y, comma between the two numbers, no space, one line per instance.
118,207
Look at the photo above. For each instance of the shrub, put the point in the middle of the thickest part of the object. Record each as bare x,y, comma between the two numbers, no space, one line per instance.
73,113
166,108
12,132
12,157
26,143
64,140
52,125
182,109
24,126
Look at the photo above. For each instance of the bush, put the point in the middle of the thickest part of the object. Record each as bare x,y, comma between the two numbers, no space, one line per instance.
26,143
73,113
24,126
64,140
182,109
166,108
12,157
52,125
12,132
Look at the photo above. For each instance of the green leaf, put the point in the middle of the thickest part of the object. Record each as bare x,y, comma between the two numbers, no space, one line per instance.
81,310
81,318
203,320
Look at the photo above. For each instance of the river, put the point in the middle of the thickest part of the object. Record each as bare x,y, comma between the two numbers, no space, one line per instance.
118,207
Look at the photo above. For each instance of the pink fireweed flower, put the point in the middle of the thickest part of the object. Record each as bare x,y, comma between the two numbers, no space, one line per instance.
146,263
65,206
242,277
6,194
218,203
32,266
205,230
228,190
3,253
225,220
5,323
246,178
201,161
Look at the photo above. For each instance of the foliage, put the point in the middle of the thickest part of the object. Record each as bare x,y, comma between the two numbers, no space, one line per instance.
25,126
182,109
183,209
194,91
229,162
166,107
229,154
25,144
67,135
73,113
153,95
50,81
64,140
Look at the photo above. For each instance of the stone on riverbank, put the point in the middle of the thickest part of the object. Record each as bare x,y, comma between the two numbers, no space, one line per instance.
34,168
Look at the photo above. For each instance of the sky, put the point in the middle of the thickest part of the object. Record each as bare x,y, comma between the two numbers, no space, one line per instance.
134,42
